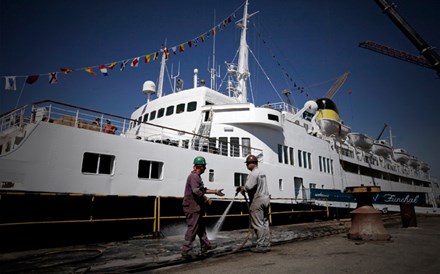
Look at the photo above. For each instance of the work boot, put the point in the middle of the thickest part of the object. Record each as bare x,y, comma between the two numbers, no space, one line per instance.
211,247
260,249
188,255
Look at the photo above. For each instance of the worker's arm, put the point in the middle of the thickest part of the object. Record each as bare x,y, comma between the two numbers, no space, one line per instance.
217,192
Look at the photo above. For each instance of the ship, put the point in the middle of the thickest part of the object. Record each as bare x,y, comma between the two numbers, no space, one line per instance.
65,168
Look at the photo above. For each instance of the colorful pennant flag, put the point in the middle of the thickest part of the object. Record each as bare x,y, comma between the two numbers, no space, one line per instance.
147,58
66,70
135,62
103,70
156,55
32,79
90,70
10,83
112,65
174,49
123,63
213,31
202,38
53,78
167,53
189,43
182,48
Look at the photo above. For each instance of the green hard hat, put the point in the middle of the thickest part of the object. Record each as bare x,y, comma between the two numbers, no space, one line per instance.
199,160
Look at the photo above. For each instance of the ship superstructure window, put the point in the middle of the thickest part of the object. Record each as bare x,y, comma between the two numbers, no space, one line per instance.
325,165
170,110
160,112
150,169
304,159
246,146
180,108
240,179
273,117
145,118
235,147
152,115
191,106
280,184
285,154
95,163
223,145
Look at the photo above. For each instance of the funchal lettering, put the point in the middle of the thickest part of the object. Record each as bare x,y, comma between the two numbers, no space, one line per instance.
392,198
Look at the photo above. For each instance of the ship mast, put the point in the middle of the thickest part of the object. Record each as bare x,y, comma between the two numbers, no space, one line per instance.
161,73
243,66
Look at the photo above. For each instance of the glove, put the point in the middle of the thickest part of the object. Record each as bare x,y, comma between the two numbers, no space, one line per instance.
219,192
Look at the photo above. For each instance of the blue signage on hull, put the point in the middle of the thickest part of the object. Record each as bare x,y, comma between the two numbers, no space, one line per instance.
384,197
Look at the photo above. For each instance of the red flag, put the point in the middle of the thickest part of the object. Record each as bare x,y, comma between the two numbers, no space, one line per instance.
182,48
32,79
66,70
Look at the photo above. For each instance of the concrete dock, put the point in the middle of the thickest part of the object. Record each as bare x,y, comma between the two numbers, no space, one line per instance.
319,247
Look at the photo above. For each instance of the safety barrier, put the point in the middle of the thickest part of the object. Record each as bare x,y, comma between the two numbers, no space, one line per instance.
23,208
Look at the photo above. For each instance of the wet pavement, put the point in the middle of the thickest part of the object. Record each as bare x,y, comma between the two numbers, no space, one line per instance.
304,248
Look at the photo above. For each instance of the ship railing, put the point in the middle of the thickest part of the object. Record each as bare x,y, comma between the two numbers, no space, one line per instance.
188,140
13,119
75,116
281,106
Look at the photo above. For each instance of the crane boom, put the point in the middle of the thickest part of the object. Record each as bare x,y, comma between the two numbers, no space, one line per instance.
425,49
337,85
405,56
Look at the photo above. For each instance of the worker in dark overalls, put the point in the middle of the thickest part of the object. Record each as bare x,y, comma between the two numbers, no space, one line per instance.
194,203
256,187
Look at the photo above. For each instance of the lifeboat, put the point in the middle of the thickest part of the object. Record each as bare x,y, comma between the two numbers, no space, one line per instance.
401,155
327,118
360,140
413,162
382,148
424,166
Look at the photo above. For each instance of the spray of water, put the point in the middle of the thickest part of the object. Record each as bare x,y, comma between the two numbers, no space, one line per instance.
218,225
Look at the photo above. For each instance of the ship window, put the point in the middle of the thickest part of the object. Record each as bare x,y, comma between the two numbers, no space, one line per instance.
145,118
286,158
320,164
309,157
223,145
311,185
235,148
160,113
280,184
150,169
191,106
291,156
305,159
152,115
180,108
299,158
280,153
95,163
212,148
139,120
246,146
273,117
211,175
170,110
240,179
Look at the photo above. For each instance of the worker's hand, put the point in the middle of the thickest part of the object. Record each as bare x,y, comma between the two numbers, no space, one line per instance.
240,189
219,192
208,201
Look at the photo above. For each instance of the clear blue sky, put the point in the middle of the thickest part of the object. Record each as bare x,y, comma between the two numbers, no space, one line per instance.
314,41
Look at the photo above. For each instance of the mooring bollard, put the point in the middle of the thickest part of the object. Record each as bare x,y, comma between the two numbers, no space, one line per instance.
366,222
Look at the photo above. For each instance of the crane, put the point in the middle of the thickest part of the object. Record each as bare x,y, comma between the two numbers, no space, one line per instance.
405,56
431,57
337,85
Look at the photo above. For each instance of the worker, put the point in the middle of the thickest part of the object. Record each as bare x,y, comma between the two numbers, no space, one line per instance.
256,187
194,205
110,128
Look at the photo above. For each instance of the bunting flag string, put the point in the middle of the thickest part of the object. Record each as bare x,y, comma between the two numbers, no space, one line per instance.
10,81
296,87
